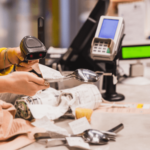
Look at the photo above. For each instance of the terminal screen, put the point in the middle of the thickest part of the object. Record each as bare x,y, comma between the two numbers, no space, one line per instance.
135,52
108,29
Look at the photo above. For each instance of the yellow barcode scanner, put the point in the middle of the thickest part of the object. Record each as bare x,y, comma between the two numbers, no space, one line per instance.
32,48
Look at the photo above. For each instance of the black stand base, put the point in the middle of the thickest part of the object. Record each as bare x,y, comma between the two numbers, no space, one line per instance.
113,97
111,94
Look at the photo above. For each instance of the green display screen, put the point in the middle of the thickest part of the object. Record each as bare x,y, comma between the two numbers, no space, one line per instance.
135,52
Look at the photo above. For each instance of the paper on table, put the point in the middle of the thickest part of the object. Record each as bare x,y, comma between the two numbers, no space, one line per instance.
83,96
146,106
80,125
55,104
51,112
77,142
49,126
132,108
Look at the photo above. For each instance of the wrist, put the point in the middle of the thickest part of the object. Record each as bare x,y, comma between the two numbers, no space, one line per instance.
5,84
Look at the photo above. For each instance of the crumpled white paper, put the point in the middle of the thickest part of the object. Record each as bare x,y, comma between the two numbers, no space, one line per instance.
56,104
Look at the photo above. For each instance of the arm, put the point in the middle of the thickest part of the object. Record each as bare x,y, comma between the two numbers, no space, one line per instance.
13,56
24,83
4,85
8,67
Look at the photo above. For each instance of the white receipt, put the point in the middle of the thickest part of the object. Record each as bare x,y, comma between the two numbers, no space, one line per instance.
77,142
48,125
79,125
146,106
49,73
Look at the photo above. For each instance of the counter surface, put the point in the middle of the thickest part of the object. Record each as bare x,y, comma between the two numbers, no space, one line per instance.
136,132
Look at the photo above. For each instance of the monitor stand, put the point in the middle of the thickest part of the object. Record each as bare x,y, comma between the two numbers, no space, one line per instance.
111,94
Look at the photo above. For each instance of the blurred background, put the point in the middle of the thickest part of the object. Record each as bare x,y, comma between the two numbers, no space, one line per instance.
64,18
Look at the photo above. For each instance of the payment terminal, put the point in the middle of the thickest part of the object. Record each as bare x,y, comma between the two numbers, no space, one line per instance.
108,35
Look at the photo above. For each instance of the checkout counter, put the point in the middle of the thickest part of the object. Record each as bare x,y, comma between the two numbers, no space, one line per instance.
105,47
135,134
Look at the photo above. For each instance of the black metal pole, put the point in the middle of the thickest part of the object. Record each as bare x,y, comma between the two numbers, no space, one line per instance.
41,34
111,94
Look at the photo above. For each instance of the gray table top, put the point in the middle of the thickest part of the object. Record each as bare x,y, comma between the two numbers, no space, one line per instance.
135,135
136,132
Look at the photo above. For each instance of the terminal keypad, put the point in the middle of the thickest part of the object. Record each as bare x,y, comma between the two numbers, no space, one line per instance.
100,47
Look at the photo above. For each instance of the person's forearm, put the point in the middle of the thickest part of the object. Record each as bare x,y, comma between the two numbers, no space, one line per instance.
4,63
5,85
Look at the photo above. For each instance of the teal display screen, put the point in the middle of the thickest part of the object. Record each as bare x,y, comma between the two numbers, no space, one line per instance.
136,52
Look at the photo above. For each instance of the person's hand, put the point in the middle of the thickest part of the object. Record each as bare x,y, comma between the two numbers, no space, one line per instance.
16,57
24,83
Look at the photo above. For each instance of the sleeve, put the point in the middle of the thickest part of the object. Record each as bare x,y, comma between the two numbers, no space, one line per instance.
7,70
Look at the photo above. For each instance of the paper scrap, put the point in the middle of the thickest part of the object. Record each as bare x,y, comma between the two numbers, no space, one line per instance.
49,126
146,106
55,142
77,142
115,81
49,73
38,111
134,108
79,125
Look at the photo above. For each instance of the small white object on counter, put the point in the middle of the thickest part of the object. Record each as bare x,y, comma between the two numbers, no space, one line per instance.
80,125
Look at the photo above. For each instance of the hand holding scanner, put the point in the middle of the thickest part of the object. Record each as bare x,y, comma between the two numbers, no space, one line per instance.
106,41
32,48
